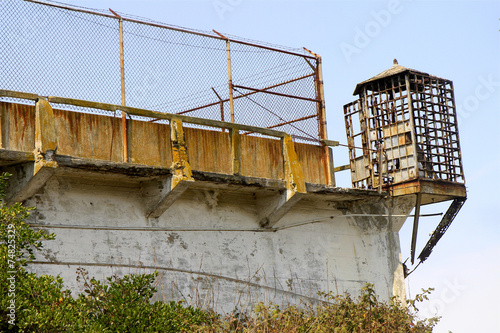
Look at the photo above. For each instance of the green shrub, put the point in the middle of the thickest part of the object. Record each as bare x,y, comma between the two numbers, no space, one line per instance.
338,314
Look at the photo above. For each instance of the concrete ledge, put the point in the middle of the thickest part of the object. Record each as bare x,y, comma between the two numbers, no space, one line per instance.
325,189
277,184
8,157
133,170
139,172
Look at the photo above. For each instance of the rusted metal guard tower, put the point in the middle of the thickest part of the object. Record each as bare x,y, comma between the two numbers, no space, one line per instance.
403,138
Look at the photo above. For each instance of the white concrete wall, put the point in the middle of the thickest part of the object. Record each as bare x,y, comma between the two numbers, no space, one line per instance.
207,254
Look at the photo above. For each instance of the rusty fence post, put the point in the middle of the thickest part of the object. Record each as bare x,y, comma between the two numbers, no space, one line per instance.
327,159
122,76
229,74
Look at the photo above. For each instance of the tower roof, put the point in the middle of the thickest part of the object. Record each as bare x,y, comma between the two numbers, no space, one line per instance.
394,70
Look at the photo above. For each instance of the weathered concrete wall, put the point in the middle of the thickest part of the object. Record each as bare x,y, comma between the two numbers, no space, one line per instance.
207,247
220,238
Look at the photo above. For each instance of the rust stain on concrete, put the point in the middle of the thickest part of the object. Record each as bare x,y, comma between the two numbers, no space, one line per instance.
99,137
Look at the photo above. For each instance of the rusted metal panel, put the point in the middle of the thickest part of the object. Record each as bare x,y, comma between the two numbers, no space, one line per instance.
89,135
209,150
156,137
94,136
310,157
261,157
429,187
432,191
443,188
18,126
160,115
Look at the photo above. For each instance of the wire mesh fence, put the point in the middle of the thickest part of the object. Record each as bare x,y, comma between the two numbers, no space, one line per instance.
49,48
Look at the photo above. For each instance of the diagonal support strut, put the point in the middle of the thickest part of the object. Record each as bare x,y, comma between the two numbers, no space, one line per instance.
445,223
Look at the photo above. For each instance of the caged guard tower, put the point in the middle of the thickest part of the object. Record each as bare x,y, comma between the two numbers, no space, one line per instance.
403,138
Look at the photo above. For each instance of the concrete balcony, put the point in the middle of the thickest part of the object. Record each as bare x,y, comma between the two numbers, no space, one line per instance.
217,211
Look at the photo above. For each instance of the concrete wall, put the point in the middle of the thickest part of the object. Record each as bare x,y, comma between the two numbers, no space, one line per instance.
206,246
209,242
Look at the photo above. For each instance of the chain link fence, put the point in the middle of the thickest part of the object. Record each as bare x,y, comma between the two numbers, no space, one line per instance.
50,48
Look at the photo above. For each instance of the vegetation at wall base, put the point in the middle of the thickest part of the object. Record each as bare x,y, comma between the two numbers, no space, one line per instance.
39,303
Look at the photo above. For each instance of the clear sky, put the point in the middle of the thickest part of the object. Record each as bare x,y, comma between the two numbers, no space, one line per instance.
457,40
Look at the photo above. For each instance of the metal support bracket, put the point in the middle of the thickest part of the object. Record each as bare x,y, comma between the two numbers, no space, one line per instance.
182,176
294,183
446,221
415,227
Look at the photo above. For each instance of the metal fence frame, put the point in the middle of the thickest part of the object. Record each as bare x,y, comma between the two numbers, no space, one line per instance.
274,99
255,83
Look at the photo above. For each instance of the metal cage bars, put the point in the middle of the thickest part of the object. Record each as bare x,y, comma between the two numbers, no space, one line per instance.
406,129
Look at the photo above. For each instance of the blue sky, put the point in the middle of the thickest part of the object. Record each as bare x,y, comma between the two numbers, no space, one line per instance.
457,40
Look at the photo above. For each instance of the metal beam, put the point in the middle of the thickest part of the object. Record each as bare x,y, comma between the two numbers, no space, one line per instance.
446,221
415,227
122,76
19,94
330,143
277,93
342,168
247,94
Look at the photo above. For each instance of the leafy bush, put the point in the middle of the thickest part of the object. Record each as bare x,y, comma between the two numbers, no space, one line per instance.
42,305
124,304
338,314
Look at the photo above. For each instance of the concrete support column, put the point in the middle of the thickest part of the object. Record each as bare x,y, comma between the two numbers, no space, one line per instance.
44,166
